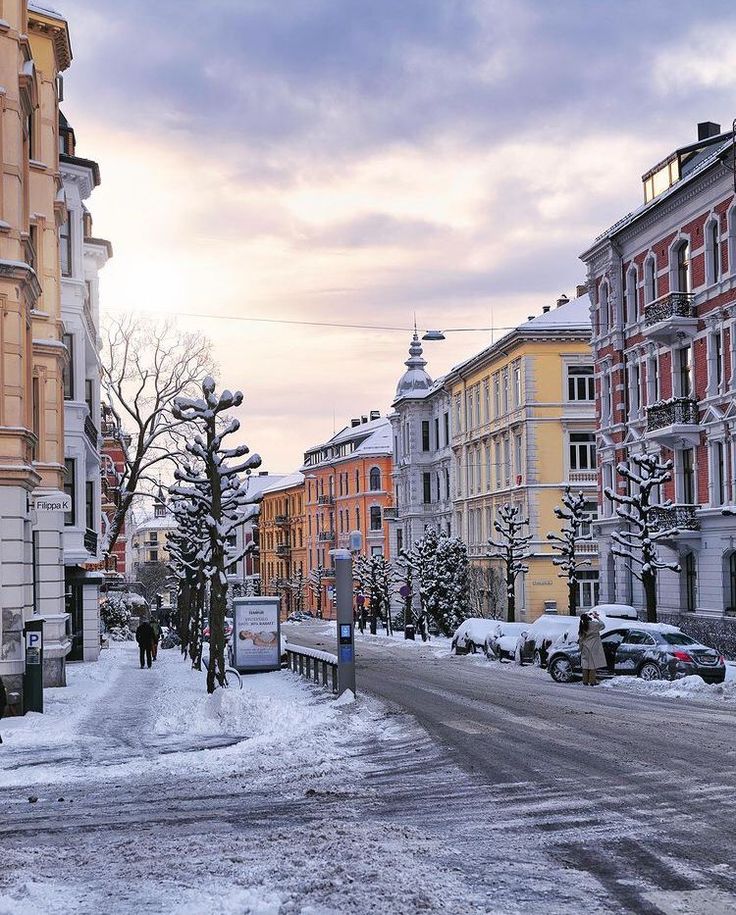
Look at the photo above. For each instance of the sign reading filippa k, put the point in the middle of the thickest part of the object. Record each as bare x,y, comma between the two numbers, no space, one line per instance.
51,502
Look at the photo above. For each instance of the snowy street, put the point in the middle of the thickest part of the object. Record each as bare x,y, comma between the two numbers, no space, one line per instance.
499,791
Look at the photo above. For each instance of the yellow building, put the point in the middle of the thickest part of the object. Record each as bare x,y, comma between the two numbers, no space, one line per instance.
34,50
523,421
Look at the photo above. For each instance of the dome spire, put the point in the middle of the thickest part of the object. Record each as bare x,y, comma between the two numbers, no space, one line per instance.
415,382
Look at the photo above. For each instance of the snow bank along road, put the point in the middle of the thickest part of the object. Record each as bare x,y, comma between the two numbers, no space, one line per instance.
627,795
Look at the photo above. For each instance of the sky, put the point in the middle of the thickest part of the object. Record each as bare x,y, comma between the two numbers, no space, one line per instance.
369,161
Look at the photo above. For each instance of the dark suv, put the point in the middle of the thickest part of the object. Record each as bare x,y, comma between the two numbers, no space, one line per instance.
651,651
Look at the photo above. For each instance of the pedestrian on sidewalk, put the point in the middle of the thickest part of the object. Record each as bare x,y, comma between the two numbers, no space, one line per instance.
144,637
156,630
592,655
3,702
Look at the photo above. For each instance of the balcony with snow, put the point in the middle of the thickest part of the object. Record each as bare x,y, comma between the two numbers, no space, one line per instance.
672,318
674,422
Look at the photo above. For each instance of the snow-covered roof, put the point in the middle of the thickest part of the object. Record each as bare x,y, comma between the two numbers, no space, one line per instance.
167,522
262,482
287,482
44,10
372,437
349,433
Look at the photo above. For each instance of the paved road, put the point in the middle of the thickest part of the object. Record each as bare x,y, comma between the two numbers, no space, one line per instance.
632,795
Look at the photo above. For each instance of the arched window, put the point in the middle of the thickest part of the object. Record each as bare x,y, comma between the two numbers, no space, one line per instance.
374,479
713,251
604,307
650,280
376,519
632,305
682,267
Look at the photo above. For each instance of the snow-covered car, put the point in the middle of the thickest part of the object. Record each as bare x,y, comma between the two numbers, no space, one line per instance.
614,611
501,643
299,616
228,628
652,651
472,634
545,631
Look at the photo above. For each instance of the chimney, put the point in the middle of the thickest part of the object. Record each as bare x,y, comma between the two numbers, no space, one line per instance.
354,423
375,414
707,129
364,419
262,473
563,300
581,289
545,309
530,317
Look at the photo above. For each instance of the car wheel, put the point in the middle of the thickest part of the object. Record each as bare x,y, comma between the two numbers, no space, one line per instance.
561,670
537,658
650,671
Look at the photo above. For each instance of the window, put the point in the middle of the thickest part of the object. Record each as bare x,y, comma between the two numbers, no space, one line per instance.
607,484
606,399
427,487
496,395
399,541
580,382
507,460
684,370
590,510
436,432
425,437
498,464
689,569
36,415
447,482
650,281
89,506
718,453
713,251
488,467
376,520
634,387
682,267
458,412
357,519
65,245
588,588
447,428
582,451
516,370
153,556
376,551
70,517
375,479
505,388
715,363
653,379
518,458
688,476
357,481
486,400
632,310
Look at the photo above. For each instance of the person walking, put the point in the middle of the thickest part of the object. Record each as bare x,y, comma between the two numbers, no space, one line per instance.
144,637
592,655
3,702
156,638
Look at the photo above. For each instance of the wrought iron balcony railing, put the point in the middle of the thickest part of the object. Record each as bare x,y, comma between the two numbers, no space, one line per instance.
90,541
282,519
325,500
680,411
326,536
680,517
673,305
391,514
90,430
283,549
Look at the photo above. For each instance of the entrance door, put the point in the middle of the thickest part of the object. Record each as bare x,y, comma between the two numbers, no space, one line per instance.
75,609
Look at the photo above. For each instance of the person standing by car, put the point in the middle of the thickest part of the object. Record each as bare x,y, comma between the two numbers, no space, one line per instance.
144,637
156,630
592,655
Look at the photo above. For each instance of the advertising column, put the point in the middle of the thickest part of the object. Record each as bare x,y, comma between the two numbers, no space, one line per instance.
257,634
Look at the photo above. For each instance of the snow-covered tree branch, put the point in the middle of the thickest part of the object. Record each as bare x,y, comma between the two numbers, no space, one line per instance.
512,548
573,514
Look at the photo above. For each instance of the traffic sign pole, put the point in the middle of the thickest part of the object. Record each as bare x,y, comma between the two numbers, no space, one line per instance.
33,676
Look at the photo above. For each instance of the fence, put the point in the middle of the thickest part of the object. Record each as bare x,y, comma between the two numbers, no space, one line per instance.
313,664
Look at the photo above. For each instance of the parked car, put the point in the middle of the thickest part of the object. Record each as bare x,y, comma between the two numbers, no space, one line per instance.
472,634
652,651
501,643
299,616
228,628
614,611
545,631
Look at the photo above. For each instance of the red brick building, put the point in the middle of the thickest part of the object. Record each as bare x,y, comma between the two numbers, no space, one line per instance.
112,466
663,289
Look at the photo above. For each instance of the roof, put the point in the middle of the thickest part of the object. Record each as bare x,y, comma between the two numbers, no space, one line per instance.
572,317
705,162
44,10
168,522
285,482
415,382
372,437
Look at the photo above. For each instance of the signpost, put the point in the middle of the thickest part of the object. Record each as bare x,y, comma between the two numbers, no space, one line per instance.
33,675
257,634
51,502
345,632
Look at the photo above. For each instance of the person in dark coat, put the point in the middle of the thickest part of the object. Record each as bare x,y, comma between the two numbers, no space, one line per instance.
3,702
144,637
592,655
156,638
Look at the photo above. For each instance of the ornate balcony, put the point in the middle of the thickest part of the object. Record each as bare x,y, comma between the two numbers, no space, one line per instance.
91,432
390,514
325,500
582,477
326,536
90,541
674,423
680,518
670,318
283,549
586,547
282,519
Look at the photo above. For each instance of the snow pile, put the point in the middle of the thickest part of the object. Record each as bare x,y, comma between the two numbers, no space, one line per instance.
687,688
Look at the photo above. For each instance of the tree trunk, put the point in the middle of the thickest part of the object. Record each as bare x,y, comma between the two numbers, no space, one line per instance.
649,582
510,595
572,597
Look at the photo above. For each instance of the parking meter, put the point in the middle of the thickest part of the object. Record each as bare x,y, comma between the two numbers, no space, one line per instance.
33,674
345,634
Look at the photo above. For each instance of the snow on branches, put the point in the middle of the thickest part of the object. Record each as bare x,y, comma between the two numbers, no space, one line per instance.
566,542
374,576
214,485
512,547
639,540
440,565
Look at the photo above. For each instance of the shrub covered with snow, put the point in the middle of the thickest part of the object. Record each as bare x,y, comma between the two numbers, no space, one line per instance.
116,613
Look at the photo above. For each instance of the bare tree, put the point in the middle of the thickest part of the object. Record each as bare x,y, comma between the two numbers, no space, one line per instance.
155,577
316,578
145,367
512,547
638,543
295,585
221,491
566,543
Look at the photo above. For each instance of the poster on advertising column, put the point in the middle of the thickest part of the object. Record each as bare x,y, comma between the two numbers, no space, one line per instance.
257,634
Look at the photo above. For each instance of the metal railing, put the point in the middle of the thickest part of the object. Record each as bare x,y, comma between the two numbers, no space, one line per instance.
283,549
391,513
326,536
680,411
282,519
678,517
313,664
671,305
325,500
90,541
90,430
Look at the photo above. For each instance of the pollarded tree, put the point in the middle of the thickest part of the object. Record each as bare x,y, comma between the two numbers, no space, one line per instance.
221,490
316,579
638,543
512,548
573,513
145,367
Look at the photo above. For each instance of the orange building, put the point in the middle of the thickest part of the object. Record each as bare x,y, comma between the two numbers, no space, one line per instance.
283,553
348,481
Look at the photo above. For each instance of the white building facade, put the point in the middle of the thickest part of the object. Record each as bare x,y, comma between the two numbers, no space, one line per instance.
82,256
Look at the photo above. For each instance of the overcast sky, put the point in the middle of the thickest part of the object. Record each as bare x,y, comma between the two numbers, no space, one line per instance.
365,160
